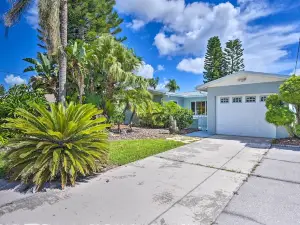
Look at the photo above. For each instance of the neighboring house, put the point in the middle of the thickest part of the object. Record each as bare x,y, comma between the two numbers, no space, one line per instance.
236,104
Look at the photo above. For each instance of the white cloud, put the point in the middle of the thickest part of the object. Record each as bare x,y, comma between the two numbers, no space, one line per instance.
136,24
12,80
192,65
32,15
187,27
145,70
160,68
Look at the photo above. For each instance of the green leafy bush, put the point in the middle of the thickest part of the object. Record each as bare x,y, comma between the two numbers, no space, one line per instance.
152,116
57,143
183,117
18,96
159,115
284,108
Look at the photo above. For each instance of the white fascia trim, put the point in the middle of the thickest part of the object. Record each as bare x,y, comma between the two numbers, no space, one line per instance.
203,87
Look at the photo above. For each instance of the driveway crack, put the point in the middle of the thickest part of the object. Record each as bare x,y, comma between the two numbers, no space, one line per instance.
193,189
242,217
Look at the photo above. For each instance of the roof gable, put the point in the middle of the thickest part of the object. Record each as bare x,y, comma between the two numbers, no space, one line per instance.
243,77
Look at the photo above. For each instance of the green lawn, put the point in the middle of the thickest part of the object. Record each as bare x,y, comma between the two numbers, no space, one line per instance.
126,151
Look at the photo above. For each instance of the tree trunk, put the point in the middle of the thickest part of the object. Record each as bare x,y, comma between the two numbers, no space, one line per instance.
131,118
62,55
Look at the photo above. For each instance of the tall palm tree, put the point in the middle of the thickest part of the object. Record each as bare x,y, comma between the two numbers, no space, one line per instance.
53,20
153,82
172,85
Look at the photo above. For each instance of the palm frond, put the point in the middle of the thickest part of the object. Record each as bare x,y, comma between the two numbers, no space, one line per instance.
60,143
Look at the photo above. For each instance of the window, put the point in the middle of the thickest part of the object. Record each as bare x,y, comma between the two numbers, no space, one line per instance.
263,98
199,108
250,99
237,99
193,108
224,100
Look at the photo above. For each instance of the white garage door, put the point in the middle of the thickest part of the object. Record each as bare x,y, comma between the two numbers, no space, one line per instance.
243,116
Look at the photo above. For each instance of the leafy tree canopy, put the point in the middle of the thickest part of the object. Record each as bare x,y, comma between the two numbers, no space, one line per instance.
213,60
233,57
172,85
88,19
2,90
153,82
284,108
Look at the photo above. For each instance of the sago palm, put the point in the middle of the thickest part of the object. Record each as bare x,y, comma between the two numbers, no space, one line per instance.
53,20
63,142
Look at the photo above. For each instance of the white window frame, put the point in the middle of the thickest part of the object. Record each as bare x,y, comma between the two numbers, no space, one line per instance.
263,96
239,97
223,98
246,99
196,113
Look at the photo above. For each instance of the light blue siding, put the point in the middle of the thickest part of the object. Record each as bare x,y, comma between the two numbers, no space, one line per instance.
213,92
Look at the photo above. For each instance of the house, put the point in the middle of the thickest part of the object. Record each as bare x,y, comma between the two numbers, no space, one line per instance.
231,105
236,104
195,101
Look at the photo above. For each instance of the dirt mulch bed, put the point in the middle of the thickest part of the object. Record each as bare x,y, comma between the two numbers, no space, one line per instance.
141,133
287,141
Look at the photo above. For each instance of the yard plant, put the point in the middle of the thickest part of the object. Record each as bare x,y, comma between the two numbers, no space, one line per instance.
158,115
284,108
60,143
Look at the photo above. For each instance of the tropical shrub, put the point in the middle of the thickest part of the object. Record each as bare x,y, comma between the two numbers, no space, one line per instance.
284,108
46,73
18,96
152,116
117,117
183,117
159,115
60,143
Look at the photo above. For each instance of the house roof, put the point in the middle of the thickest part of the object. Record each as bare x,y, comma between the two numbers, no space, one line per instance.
187,94
243,77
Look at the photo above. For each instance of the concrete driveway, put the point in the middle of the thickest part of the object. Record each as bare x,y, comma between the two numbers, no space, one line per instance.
188,185
271,195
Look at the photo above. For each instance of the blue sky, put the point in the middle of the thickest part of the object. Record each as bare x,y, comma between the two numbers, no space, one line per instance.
171,36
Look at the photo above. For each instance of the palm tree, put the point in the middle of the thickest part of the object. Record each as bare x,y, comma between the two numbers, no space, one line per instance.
114,66
153,82
172,85
53,20
47,74
79,54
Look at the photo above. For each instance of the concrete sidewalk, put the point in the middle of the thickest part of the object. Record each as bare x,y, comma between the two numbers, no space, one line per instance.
271,195
188,185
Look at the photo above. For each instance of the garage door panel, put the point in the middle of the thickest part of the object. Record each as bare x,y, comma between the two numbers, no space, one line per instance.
243,119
